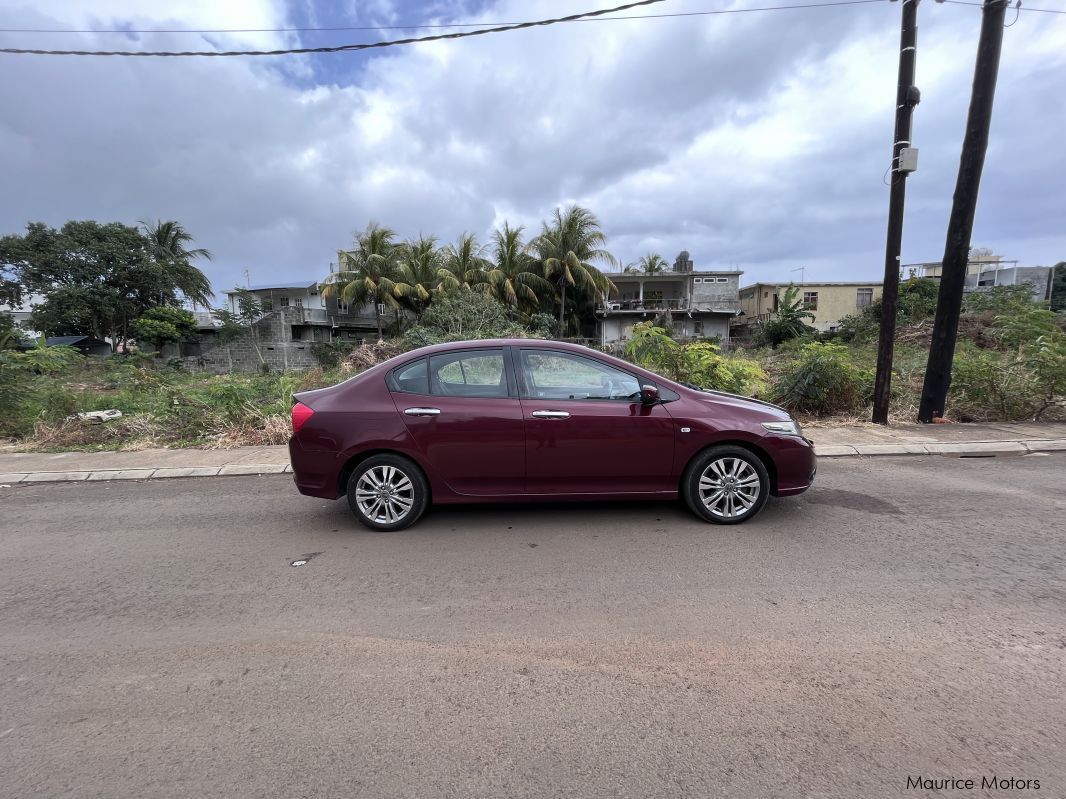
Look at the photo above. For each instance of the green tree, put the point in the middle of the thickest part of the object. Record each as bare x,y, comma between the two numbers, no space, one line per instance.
650,264
162,326
464,263
94,278
168,243
787,322
419,264
369,272
512,278
567,249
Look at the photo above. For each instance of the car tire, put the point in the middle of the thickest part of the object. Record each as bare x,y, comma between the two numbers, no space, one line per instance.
719,485
388,492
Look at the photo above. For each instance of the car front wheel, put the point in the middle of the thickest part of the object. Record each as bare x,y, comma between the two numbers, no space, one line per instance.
387,492
726,485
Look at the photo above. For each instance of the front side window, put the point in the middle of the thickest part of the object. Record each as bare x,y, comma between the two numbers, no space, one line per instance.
810,300
477,373
864,298
283,302
560,375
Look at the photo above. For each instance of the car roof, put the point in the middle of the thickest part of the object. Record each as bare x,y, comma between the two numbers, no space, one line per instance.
480,343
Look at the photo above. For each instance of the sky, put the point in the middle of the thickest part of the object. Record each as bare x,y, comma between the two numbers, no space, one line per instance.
756,141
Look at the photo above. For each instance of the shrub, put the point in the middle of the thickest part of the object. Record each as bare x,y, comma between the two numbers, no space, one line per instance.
1027,384
822,380
700,363
330,354
463,314
1025,324
998,299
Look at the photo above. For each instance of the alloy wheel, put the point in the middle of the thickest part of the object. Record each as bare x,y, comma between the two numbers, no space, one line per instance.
729,487
384,494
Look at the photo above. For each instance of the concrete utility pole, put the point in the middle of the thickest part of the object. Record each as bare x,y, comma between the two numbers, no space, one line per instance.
907,97
963,207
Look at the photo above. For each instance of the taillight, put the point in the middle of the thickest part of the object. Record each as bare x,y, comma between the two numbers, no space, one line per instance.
300,414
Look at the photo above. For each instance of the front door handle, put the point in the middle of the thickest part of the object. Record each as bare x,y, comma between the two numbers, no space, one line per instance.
551,414
423,411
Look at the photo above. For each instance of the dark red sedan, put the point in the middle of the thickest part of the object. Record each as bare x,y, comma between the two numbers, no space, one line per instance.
517,420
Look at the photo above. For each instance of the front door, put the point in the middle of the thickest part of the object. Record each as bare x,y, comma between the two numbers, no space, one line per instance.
463,411
587,431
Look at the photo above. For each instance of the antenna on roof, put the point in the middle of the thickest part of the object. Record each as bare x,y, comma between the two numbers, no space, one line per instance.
247,279
803,273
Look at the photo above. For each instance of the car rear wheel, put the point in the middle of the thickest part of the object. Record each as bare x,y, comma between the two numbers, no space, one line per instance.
387,492
726,485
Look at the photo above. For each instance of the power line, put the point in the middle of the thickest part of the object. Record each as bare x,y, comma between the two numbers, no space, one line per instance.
583,17
1021,8
429,26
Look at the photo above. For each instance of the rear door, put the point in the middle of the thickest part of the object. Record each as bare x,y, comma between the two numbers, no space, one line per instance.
587,431
463,411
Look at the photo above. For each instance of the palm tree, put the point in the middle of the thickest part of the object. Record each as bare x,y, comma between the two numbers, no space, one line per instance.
464,263
167,244
512,279
419,265
650,264
369,272
566,250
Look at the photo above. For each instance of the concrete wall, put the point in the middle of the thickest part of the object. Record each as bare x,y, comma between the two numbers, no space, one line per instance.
619,327
834,301
716,294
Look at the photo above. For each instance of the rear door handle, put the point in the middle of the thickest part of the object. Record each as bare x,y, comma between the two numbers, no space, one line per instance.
423,411
551,414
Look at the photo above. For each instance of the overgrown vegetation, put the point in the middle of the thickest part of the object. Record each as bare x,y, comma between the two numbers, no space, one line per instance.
700,363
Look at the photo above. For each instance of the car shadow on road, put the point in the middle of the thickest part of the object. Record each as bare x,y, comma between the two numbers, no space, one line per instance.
597,517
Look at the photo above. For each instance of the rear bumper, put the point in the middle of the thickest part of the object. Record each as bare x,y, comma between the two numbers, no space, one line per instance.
314,472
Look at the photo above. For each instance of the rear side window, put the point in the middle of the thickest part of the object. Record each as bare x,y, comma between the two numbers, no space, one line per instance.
471,373
412,378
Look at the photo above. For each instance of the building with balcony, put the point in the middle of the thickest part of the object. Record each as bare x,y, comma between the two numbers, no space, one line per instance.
311,316
829,302
690,303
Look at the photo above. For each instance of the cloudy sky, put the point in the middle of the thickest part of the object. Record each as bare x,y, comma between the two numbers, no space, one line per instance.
754,140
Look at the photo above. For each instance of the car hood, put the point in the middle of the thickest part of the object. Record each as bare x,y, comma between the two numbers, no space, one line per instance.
746,403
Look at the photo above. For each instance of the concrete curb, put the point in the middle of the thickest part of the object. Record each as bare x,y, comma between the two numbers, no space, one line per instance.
982,448
162,473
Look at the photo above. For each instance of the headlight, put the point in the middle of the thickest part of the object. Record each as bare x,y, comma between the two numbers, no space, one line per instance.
789,428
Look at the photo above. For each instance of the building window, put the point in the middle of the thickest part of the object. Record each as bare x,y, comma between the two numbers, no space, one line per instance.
342,306
697,327
299,302
864,298
810,300
697,280
765,294
283,302
721,280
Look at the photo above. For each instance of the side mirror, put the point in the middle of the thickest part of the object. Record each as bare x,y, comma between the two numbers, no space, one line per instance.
649,395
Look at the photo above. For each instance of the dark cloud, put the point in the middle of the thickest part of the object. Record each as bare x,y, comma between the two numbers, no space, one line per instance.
758,139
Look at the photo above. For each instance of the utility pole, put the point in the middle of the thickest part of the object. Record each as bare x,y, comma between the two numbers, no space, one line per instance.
963,206
907,96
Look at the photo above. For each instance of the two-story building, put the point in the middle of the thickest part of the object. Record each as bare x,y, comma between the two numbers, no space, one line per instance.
309,315
828,301
693,304
295,316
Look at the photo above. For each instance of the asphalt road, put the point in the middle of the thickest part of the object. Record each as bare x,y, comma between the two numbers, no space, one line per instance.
905,617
